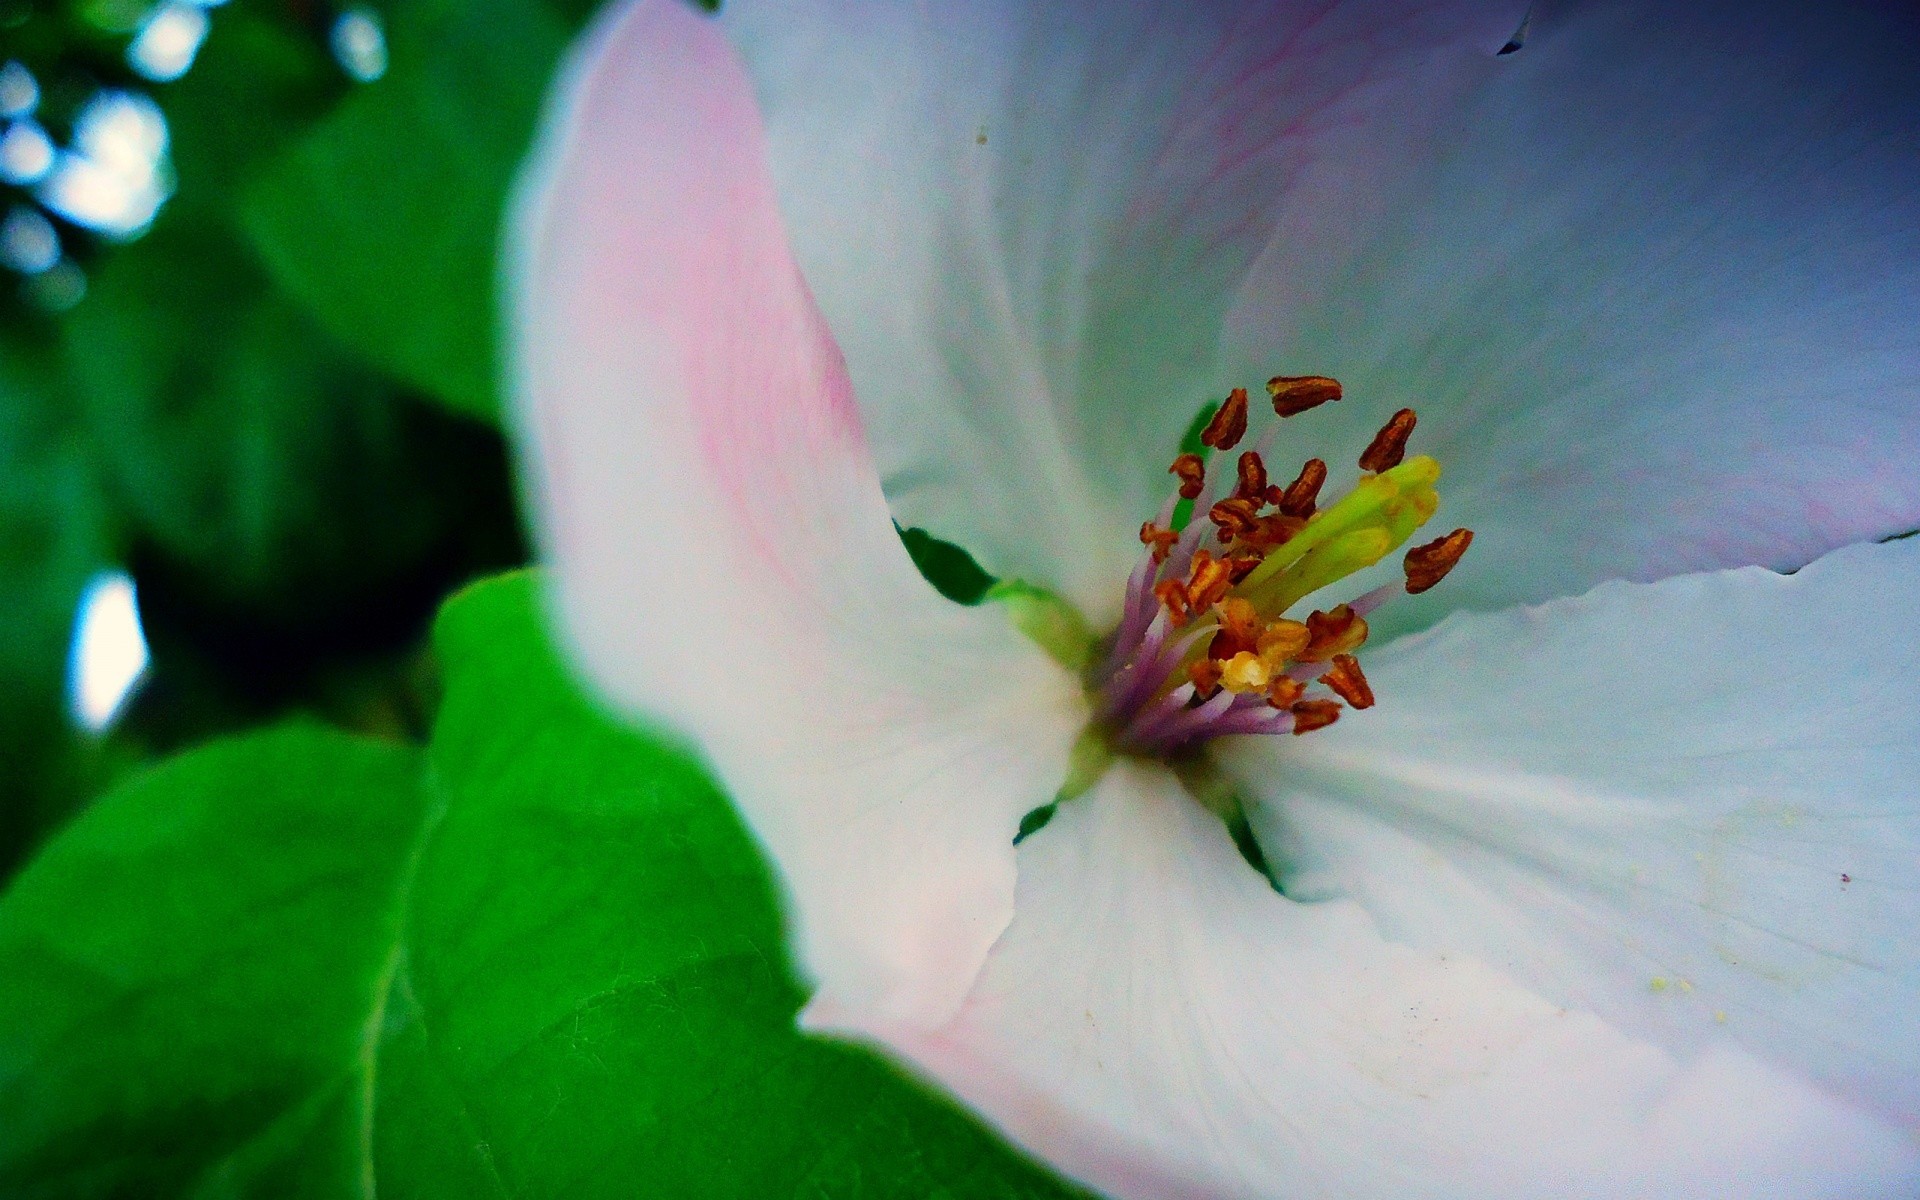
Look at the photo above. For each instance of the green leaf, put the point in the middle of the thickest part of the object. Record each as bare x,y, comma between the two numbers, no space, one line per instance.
549,965
385,219
56,530
271,469
190,969
949,568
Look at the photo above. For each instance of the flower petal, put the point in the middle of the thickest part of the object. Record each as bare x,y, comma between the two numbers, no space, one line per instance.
1691,807
1026,221
1655,304
1162,1023
724,557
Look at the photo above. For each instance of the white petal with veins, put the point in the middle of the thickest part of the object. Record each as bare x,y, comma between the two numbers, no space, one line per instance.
1691,807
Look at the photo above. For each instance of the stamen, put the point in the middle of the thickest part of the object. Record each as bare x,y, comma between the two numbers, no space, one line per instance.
1295,394
1161,540
1348,682
1284,690
1235,517
1239,628
1253,477
1301,495
1203,648
1229,424
1192,470
1172,594
1427,565
1209,583
1244,672
1309,715
1340,631
1389,446
1283,641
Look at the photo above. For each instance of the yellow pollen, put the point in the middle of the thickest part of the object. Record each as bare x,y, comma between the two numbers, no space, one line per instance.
1245,672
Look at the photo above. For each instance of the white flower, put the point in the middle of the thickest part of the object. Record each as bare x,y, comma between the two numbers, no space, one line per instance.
1612,895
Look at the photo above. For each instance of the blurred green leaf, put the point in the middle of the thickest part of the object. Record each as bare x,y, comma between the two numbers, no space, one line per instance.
274,474
549,966
385,219
56,530
190,971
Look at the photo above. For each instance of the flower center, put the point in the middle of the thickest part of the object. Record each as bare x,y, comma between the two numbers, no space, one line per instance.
1205,646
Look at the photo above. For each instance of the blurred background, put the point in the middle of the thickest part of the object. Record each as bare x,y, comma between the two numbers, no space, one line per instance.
248,409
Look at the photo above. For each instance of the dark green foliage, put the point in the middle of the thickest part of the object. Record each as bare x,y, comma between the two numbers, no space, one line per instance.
950,569
385,219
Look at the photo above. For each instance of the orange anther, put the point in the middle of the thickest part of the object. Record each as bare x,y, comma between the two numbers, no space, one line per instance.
1389,446
1209,581
1295,394
1229,424
1348,682
1205,677
1282,641
1427,565
1172,594
1239,628
1242,565
1309,715
1271,530
1253,477
1283,690
1302,494
1192,471
1235,516
1340,631
1161,540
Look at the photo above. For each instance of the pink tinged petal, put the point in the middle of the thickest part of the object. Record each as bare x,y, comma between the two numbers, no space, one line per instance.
1692,808
1026,221
1654,302
723,555
1160,1022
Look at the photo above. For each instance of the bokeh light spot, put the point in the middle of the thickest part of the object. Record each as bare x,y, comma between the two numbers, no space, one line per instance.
109,652
360,45
26,152
28,242
113,179
19,92
167,42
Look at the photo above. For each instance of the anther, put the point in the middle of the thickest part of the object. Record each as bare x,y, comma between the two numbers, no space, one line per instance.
1162,540
1339,631
1427,565
1244,673
1309,715
1304,492
1283,690
1229,424
1282,641
1239,628
1172,595
1253,477
1348,681
1192,471
1295,394
1389,446
1208,583
1235,517
1205,677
